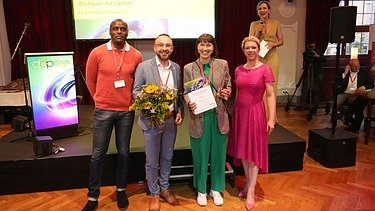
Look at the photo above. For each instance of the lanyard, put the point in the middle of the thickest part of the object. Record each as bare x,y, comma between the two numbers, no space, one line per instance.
118,66
164,85
352,79
208,79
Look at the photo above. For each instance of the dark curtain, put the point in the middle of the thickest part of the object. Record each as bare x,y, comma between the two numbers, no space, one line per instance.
317,21
233,20
50,30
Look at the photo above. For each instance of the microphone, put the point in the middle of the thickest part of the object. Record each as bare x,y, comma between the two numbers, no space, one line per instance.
27,24
261,23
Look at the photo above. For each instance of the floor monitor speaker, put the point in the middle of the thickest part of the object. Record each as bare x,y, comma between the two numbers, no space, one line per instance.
338,150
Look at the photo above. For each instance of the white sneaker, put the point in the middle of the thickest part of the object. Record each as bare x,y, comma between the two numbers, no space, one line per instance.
202,199
218,199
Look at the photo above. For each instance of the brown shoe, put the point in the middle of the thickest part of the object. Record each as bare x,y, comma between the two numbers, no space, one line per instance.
154,203
170,198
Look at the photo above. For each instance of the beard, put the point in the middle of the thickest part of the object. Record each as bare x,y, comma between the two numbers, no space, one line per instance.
163,57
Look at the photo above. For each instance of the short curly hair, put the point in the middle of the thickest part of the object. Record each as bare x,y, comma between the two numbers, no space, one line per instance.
250,38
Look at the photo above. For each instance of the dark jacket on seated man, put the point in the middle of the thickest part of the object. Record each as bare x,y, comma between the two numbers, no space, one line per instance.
352,88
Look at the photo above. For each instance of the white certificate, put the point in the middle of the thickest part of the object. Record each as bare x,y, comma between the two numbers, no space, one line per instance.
263,49
204,99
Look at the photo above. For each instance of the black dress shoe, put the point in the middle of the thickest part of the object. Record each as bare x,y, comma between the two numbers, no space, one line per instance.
122,200
90,206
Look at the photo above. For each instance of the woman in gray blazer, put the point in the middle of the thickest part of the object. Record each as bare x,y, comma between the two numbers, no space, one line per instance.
208,130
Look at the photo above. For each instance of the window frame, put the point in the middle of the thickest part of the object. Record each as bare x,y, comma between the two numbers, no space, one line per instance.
358,29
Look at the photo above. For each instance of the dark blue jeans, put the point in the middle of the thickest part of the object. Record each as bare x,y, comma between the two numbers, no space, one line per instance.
103,123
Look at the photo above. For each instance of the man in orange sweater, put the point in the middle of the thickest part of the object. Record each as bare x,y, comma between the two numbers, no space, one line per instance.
109,76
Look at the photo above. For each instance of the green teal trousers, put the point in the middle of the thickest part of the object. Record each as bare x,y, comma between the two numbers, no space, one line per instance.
212,146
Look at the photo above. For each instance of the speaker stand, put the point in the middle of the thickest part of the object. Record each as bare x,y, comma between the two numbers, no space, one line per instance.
338,148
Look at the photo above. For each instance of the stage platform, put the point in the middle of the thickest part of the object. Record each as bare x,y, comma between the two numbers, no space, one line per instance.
22,172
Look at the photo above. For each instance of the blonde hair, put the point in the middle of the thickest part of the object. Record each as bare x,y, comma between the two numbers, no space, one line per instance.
263,2
266,2
248,39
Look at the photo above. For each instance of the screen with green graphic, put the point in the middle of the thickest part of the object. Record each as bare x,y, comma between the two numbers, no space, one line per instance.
146,18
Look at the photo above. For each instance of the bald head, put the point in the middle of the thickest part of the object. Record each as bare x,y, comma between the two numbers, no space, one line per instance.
354,65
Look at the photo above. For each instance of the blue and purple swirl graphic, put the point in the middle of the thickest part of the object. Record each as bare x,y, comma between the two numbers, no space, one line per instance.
59,96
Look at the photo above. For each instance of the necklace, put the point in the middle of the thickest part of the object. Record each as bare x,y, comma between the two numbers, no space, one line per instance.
249,66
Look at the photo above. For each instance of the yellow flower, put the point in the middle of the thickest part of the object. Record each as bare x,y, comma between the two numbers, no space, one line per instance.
148,105
131,108
151,89
168,97
153,102
165,105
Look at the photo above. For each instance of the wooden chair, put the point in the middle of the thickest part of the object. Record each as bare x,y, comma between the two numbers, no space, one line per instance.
369,114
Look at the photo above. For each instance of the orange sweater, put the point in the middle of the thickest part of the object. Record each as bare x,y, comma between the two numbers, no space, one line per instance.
101,74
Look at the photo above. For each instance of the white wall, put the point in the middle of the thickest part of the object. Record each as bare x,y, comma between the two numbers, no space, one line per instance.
292,16
372,36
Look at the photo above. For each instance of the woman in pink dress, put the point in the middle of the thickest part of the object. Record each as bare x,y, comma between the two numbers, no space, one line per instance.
248,137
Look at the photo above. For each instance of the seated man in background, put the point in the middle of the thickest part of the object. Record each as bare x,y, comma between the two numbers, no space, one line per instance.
352,88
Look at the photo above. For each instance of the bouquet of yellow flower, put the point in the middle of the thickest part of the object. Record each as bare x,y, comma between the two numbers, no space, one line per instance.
154,101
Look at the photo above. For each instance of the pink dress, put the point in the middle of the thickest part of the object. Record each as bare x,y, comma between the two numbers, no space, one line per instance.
248,137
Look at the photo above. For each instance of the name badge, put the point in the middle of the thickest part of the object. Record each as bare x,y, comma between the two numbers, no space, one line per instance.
119,83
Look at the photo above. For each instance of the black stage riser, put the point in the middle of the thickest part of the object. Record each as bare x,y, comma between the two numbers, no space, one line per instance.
23,174
26,176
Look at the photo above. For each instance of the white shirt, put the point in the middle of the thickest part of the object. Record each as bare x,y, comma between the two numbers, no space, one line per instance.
166,76
352,84
164,72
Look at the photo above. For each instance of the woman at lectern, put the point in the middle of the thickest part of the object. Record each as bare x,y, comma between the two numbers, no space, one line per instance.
249,132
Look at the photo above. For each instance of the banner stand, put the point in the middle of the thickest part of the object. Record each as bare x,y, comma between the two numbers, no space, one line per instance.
53,94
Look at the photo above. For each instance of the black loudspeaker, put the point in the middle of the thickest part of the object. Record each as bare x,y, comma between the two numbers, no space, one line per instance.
342,24
338,150
43,145
19,122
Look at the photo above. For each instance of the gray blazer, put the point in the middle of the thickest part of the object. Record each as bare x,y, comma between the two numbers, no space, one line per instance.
220,77
146,73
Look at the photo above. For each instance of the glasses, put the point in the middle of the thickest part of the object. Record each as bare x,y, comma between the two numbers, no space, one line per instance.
167,45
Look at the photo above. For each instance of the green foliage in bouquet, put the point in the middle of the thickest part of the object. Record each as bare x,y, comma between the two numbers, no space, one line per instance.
154,101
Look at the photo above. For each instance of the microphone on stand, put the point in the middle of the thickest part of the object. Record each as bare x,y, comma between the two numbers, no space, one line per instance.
27,24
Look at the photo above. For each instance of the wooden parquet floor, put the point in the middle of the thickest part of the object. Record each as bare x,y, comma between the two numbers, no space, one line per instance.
313,188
